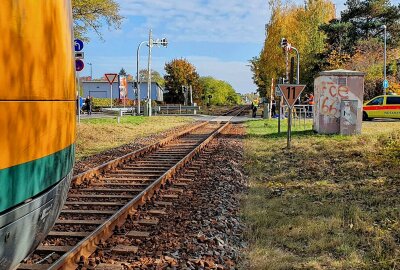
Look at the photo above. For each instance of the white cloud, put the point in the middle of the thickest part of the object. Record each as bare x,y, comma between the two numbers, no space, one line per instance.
200,20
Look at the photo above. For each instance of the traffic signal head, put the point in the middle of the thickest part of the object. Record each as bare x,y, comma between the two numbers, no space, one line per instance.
284,42
164,42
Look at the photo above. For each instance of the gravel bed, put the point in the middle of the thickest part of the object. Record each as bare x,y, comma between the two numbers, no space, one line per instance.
202,230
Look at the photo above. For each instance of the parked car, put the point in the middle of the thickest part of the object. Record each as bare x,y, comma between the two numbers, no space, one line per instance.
385,106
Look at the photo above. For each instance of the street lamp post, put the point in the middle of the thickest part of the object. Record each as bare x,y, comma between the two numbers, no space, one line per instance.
298,65
137,76
384,60
91,71
150,44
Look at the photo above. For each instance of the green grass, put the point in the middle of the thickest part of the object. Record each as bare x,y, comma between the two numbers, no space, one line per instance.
330,202
99,134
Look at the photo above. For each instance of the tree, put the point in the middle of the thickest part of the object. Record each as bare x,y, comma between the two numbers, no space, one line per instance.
356,42
300,25
155,76
222,92
90,14
122,72
362,20
368,16
179,73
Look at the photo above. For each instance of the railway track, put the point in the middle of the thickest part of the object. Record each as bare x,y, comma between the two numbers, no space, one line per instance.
236,111
102,199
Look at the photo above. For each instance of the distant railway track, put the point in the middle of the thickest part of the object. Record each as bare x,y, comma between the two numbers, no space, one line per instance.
236,111
101,199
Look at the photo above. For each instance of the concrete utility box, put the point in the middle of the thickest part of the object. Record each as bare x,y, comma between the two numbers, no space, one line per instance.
330,88
348,117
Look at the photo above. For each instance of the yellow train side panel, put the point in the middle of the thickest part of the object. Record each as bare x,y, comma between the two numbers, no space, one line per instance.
33,130
42,39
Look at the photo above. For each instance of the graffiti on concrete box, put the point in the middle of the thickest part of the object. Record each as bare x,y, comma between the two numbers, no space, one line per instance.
330,96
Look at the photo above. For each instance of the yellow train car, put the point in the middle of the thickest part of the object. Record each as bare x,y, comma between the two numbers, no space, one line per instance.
37,117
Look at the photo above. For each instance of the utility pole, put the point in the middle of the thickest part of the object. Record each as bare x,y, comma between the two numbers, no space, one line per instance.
384,62
137,76
150,43
191,95
91,71
149,75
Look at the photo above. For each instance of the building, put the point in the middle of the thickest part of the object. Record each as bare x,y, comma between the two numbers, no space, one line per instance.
101,89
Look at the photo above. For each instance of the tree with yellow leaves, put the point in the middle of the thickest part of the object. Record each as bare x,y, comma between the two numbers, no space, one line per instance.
300,25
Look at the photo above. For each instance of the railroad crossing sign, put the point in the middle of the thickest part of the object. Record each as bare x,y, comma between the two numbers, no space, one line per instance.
79,65
78,45
291,92
111,77
385,84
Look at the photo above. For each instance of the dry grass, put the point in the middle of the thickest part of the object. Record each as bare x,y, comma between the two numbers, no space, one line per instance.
97,135
331,202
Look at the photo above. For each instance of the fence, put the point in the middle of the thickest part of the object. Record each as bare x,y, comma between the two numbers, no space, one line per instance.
164,109
300,114
178,109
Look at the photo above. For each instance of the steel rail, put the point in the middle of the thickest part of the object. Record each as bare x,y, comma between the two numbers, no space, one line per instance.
77,254
236,110
87,246
95,172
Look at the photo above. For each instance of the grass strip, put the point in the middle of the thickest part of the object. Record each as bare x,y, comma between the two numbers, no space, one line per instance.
330,202
100,134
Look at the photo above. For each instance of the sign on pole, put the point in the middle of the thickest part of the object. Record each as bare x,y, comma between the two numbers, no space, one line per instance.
291,92
78,45
111,78
278,92
385,84
79,65
79,55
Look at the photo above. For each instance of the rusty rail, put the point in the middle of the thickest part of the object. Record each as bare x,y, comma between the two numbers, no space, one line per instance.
95,172
88,245
77,254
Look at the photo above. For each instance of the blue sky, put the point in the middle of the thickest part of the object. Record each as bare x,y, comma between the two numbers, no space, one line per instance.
217,36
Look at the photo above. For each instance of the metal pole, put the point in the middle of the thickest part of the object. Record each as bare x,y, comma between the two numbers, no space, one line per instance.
287,65
111,94
149,74
384,60
271,96
191,95
91,71
79,96
137,76
289,131
279,118
298,66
